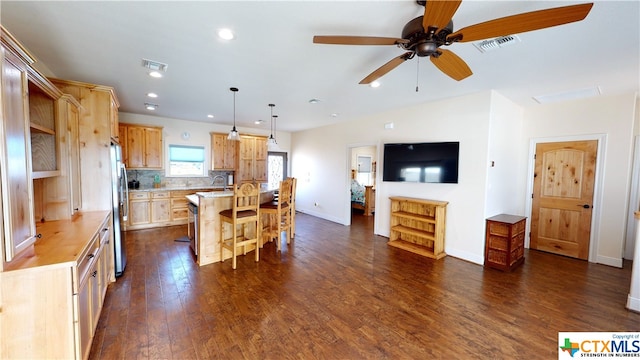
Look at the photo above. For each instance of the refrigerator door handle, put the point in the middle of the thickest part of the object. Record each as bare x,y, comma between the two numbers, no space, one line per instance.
125,194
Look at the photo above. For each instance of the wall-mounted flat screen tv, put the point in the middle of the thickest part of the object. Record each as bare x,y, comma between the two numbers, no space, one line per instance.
432,162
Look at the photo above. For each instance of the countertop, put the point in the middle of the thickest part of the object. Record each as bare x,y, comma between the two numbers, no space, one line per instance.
169,188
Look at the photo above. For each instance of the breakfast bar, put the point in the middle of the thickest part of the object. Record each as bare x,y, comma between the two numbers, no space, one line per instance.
208,230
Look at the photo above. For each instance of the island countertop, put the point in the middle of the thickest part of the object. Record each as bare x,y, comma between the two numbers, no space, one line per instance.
209,206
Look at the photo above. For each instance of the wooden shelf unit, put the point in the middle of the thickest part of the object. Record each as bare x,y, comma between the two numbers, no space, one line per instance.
418,225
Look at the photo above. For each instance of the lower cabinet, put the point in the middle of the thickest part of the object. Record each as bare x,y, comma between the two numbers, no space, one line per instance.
50,311
149,209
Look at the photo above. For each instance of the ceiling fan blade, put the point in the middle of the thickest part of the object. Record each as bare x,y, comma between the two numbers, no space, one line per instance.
451,64
524,22
356,40
438,13
382,70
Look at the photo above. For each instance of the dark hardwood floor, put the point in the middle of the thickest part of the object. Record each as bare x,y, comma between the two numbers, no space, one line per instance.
340,292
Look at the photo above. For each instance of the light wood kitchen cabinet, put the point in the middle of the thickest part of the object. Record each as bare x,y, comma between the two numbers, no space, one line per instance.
252,159
99,104
72,109
160,207
52,298
15,154
114,121
139,208
223,152
144,148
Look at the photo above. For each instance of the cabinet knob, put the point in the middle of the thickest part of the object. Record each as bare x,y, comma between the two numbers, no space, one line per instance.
39,236
91,256
95,273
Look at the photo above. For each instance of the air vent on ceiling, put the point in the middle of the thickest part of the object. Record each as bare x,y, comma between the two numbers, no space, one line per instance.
154,65
494,44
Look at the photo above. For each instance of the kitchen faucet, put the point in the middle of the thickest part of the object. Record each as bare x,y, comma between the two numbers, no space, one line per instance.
224,181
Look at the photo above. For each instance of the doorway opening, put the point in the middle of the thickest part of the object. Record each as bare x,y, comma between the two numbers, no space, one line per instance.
362,180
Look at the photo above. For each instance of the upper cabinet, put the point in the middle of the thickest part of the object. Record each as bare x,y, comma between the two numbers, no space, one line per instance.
223,152
99,107
252,159
15,151
142,148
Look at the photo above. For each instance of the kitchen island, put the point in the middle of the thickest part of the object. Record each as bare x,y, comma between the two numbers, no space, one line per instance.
209,206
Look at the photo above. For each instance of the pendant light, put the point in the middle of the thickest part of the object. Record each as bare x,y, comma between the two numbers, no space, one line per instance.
271,142
233,134
275,146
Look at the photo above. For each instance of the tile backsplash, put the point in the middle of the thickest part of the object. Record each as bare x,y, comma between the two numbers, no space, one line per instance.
146,179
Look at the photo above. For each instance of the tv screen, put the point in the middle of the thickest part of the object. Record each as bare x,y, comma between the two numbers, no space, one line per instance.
434,162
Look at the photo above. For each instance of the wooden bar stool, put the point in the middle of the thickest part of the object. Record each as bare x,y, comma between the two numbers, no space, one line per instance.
276,215
293,207
246,214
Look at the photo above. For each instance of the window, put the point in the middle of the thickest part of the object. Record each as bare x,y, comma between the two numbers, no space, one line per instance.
277,168
186,160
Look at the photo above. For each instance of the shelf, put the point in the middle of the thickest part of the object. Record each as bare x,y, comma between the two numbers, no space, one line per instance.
45,174
411,231
416,249
413,216
418,226
41,129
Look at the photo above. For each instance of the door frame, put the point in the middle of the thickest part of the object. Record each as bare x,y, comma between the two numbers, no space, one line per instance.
349,149
597,186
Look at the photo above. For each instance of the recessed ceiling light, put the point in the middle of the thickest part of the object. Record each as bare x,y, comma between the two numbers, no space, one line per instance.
210,116
152,95
149,106
375,84
314,101
258,122
225,34
155,74
334,115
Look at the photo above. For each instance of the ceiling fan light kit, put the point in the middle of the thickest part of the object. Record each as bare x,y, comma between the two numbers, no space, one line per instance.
426,35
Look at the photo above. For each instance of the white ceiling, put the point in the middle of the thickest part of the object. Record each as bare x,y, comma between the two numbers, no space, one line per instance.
273,59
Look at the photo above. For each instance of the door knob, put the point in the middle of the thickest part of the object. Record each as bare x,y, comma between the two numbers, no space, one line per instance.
585,206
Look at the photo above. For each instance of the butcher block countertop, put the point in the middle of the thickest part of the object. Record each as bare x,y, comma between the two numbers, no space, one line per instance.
62,243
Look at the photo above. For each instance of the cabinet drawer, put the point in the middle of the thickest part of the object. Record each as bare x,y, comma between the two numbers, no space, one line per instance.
179,214
179,203
138,195
87,260
160,194
501,229
498,242
182,193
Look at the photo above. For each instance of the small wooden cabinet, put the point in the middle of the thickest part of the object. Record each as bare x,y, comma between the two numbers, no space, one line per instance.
252,159
156,208
223,152
143,146
418,225
504,241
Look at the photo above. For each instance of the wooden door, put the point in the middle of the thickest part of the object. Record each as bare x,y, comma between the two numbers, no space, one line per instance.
563,197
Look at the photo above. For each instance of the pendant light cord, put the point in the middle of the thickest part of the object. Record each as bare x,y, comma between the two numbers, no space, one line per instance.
417,73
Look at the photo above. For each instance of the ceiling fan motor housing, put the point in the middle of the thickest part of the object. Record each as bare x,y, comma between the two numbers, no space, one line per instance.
424,43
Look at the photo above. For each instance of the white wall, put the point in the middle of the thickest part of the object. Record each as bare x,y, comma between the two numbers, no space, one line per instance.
614,117
505,191
199,131
489,128
320,161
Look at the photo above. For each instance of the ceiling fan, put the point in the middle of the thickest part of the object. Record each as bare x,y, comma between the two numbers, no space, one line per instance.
425,35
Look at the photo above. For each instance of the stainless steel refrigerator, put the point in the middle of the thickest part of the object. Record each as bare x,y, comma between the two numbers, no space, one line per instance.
120,195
